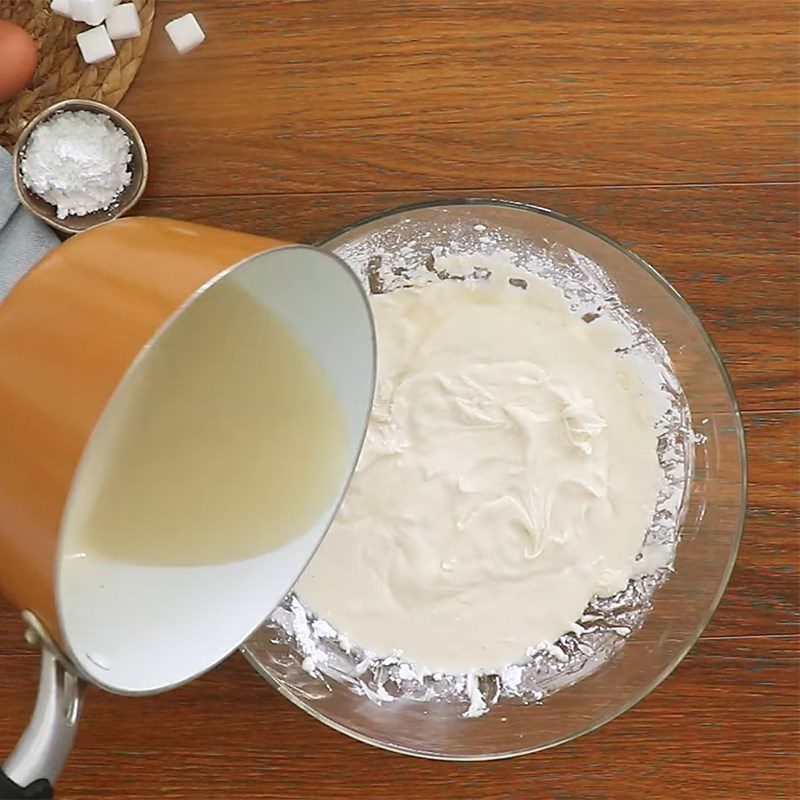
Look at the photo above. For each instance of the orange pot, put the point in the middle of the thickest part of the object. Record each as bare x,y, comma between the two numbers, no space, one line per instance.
70,332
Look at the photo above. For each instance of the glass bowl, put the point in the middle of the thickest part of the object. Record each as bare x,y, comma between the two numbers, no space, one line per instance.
668,617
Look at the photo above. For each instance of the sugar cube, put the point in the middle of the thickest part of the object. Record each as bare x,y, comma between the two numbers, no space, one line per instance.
123,22
62,8
95,45
92,12
185,33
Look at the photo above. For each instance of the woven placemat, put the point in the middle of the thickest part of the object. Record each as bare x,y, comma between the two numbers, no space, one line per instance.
61,73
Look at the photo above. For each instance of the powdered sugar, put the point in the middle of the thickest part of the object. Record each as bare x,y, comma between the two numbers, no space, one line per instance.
77,161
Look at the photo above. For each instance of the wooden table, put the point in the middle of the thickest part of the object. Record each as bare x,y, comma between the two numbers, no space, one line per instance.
670,125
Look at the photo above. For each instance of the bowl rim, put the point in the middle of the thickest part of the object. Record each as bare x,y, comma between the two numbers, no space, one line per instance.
691,640
77,104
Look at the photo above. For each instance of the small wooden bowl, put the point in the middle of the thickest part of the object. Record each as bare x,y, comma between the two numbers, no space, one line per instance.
124,202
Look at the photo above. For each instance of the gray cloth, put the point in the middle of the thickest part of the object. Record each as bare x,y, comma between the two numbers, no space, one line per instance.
23,238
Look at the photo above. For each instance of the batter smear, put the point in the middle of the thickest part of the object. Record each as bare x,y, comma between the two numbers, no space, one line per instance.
509,475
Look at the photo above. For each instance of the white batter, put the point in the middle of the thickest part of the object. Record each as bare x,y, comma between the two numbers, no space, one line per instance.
509,475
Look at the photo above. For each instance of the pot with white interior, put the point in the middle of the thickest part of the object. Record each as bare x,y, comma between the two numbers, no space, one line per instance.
183,409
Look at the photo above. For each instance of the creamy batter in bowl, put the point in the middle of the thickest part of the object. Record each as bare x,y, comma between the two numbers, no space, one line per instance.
624,644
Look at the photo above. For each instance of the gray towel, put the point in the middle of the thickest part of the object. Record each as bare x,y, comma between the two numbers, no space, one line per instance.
23,238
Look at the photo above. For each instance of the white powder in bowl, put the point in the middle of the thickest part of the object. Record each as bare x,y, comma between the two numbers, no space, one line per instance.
77,161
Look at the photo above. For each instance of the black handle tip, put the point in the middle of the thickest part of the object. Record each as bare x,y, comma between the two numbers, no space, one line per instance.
38,790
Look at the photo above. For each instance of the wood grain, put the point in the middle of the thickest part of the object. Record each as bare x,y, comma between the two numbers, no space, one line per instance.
332,95
723,726
671,126
763,595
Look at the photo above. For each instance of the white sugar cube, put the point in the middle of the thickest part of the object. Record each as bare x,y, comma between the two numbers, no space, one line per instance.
95,45
123,22
62,8
185,33
92,12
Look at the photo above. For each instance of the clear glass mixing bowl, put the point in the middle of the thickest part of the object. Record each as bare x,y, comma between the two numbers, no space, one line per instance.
711,513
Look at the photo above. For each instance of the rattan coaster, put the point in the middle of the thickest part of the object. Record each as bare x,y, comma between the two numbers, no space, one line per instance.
61,73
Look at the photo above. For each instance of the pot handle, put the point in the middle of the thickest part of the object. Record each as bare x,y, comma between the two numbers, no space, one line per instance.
30,771
38,790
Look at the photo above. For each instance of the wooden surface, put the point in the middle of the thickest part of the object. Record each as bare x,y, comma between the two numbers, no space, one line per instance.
671,126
